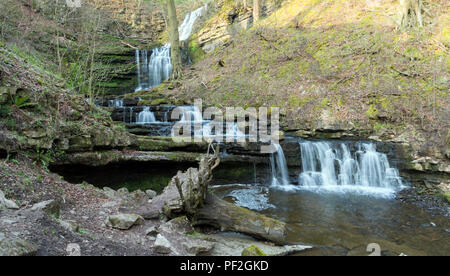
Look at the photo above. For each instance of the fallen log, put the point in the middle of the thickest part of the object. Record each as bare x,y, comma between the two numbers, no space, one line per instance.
187,195
226,216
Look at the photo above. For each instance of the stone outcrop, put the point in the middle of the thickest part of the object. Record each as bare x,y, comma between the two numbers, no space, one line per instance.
16,247
129,199
231,18
253,250
163,246
124,221
50,207
234,245
6,203
177,237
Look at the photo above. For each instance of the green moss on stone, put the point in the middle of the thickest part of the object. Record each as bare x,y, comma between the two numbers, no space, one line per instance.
252,251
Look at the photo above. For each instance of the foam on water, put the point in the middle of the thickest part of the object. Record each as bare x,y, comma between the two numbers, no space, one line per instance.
332,168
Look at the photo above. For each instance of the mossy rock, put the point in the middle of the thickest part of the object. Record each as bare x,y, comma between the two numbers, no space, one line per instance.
447,197
160,101
252,251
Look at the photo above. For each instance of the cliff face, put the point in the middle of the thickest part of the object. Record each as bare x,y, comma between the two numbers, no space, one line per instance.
41,118
146,18
230,18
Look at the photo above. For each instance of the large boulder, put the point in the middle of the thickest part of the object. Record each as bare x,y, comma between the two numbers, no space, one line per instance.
6,203
126,198
151,194
162,245
182,238
16,247
124,221
194,246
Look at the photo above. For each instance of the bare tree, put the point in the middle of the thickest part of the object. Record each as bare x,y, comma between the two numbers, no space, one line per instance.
174,37
256,10
411,13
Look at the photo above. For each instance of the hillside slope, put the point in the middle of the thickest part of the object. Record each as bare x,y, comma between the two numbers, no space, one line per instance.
337,65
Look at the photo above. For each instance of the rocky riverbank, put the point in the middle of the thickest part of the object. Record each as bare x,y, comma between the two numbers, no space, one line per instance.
48,216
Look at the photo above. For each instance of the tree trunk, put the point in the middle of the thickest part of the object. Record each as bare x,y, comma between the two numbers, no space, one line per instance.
229,217
187,194
174,40
256,10
410,13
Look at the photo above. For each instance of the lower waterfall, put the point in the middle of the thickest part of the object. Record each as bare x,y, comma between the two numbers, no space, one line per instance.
339,167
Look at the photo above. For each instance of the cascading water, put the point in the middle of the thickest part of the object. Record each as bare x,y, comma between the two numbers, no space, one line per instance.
145,116
156,69
190,114
278,165
332,167
193,116
115,103
185,28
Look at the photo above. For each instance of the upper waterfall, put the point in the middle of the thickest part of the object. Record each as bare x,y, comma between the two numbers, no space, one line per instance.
156,68
185,28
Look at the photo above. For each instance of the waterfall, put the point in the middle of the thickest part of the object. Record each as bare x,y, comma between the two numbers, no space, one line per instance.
278,165
190,114
131,115
332,166
185,28
152,71
115,103
138,67
145,116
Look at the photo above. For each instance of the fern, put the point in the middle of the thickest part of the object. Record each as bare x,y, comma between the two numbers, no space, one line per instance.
22,102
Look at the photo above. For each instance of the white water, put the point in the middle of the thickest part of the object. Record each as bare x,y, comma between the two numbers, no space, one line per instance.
191,115
332,167
185,28
278,164
115,103
145,117
153,70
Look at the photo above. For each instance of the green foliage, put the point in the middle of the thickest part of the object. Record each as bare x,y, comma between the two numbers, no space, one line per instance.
253,251
5,110
42,157
22,102
297,101
372,112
